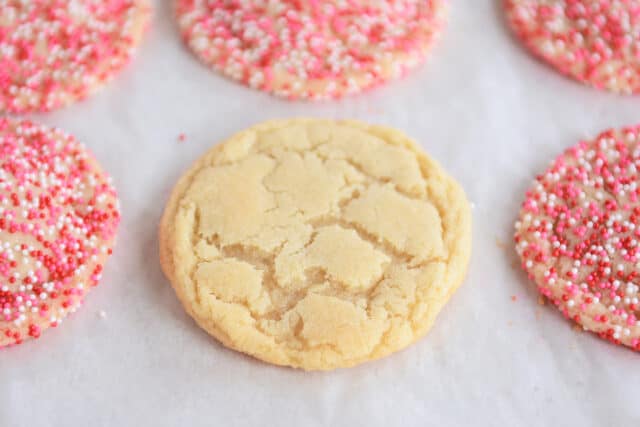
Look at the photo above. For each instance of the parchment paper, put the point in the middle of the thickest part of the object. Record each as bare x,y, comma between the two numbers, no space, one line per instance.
487,110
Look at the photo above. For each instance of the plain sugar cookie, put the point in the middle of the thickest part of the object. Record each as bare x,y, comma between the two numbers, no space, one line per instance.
596,42
58,220
578,234
311,49
314,243
53,53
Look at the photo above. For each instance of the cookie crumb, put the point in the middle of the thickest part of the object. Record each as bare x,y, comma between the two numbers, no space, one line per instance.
542,300
500,243
514,298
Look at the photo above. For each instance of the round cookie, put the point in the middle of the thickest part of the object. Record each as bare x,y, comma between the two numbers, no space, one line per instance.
578,234
595,42
316,244
310,49
58,220
53,53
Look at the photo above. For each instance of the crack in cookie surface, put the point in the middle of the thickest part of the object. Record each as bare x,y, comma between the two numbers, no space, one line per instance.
315,242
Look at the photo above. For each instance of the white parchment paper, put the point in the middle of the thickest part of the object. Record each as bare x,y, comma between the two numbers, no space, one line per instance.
483,107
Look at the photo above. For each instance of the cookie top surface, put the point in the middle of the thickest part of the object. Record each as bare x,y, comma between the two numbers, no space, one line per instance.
595,42
58,219
578,234
315,243
311,49
54,52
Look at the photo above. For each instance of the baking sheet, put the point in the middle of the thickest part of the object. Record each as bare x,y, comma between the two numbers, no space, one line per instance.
488,111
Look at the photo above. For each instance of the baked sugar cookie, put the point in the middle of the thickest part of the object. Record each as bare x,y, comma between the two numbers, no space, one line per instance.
53,53
311,49
595,42
58,219
578,234
316,244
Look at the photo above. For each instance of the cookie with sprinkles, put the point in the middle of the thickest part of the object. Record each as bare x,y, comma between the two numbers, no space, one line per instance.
58,219
593,41
578,234
54,52
311,49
